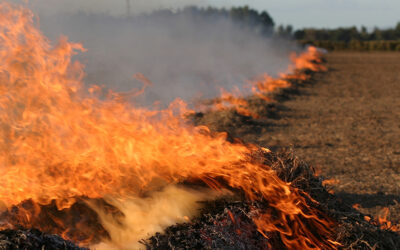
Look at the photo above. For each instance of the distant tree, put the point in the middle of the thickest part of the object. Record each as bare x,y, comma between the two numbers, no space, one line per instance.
376,34
285,31
299,34
349,38
244,17
364,33
261,23
397,31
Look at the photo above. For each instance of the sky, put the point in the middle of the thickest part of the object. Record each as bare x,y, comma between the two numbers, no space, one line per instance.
299,13
327,13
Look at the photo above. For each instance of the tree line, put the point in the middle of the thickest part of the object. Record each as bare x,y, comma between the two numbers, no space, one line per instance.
260,22
244,17
350,38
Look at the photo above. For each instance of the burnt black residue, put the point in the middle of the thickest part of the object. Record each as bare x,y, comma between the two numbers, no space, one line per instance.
33,240
227,224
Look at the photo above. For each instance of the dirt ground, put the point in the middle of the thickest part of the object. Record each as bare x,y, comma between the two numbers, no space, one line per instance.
346,124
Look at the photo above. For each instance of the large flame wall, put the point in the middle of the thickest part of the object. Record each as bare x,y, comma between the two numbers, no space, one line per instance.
59,141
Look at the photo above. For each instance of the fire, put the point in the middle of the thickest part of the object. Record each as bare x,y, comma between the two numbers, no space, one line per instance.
310,60
261,87
233,99
61,143
330,182
384,223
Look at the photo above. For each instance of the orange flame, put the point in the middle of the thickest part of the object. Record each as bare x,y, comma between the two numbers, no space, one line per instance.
59,142
309,60
234,99
384,223
330,182
264,85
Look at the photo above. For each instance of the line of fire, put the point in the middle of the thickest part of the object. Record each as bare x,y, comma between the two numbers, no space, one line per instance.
85,167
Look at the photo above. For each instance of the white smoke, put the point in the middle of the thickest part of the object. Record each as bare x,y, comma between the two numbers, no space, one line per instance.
112,7
143,217
185,56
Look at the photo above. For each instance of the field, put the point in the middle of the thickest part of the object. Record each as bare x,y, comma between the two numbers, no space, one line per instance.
303,154
346,124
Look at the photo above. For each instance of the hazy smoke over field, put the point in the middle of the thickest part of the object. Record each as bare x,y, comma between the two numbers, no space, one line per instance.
112,7
183,56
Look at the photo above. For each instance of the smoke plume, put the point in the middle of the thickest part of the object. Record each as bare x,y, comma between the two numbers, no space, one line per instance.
182,55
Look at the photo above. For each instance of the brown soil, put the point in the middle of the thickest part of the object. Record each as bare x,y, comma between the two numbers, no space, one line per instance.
346,124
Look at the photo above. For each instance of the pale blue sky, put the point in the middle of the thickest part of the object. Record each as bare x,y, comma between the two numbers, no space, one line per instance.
299,13
327,13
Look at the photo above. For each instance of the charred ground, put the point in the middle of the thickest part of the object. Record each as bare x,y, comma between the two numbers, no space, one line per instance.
225,224
344,123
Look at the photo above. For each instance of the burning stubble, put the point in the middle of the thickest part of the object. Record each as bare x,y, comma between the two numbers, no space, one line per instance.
60,142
